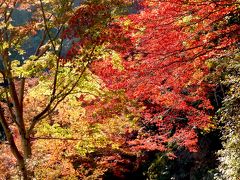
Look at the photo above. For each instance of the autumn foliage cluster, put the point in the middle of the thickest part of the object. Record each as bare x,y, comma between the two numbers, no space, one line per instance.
166,69
130,84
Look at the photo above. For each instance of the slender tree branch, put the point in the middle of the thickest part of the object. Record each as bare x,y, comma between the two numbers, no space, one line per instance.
46,26
41,44
21,92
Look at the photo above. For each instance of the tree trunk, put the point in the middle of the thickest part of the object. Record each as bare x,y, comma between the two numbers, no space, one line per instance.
13,147
26,145
22,168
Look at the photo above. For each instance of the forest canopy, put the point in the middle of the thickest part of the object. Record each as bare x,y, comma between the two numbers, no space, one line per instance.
119,89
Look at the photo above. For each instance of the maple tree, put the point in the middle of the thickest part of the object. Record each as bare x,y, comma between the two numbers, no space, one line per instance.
174,45
166,69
